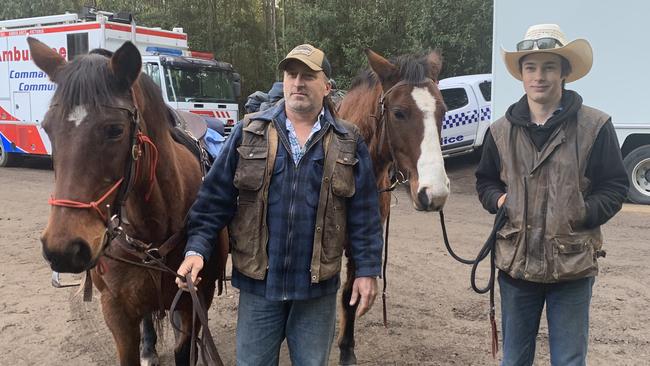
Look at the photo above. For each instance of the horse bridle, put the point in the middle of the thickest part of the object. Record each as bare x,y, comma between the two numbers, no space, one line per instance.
152,258
114,220
396,175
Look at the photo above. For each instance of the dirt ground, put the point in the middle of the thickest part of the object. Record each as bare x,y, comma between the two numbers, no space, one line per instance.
434,316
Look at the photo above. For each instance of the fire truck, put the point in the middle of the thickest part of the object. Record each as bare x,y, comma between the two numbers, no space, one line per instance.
190,80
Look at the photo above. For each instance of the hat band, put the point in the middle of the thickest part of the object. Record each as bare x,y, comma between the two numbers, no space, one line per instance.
544,43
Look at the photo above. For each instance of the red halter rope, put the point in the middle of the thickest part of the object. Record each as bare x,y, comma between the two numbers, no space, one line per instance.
94,204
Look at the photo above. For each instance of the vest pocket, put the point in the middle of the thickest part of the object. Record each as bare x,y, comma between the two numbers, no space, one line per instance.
245,236
249,175
506,247
343,175
573,256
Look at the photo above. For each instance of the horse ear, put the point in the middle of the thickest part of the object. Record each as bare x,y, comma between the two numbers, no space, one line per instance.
435,65
45,57
126,64
382,67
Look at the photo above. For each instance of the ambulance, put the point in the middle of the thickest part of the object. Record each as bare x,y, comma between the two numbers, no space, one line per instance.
189,80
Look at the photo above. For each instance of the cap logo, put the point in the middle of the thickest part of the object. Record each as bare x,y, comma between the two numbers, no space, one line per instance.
302,49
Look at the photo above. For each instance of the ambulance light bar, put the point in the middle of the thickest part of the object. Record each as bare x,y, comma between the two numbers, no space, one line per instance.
203,55
164,51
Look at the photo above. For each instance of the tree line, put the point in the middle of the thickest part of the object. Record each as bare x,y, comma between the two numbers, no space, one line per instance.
254,35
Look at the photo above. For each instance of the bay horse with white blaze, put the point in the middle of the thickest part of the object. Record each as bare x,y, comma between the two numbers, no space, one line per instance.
399,111
115,161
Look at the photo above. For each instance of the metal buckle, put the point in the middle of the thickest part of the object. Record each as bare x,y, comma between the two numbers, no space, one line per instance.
136,152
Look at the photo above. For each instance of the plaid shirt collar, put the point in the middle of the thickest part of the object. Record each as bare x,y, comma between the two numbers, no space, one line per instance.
297,151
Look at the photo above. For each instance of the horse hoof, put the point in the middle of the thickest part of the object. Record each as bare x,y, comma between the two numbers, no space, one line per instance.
151,360
348,358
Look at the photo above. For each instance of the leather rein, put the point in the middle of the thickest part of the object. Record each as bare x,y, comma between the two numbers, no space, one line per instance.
146,255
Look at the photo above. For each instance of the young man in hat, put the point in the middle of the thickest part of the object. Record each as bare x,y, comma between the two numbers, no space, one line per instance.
556,166
293,184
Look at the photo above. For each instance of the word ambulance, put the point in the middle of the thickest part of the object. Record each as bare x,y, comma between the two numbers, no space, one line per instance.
189,80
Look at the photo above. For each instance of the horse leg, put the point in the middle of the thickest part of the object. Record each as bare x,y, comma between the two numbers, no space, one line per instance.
183,345
346,322
125,329
148,354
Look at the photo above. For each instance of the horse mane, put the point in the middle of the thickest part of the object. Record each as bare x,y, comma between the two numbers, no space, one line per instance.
88,81
412,68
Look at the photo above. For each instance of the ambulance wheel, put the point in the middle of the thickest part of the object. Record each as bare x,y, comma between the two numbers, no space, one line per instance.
637,165
8,159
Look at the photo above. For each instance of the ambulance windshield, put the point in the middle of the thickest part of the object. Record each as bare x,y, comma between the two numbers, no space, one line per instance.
207,85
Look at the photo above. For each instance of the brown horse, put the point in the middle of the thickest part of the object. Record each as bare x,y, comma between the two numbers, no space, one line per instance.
399,110
114,154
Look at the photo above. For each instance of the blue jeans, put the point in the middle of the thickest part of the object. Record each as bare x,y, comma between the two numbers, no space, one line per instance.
262,325
567,313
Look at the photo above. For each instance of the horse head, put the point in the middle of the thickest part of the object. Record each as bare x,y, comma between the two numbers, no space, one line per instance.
410,114
91,123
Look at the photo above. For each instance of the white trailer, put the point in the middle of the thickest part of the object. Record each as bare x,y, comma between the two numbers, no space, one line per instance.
189,80
618,83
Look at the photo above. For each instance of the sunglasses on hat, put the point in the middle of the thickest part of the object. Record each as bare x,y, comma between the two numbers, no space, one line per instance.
542,44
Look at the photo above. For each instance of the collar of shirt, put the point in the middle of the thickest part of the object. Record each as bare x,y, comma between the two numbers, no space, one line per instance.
297,151
555,113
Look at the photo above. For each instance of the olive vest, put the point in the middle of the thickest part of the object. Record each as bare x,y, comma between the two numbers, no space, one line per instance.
545,239
248,228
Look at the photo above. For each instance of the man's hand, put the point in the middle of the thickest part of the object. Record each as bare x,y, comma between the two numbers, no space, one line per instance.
501,200
191,264
366,288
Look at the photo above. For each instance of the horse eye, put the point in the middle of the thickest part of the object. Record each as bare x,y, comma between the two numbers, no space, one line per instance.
113,131
399,114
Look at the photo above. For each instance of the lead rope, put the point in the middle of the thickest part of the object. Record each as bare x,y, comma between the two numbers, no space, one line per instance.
385,279
487,249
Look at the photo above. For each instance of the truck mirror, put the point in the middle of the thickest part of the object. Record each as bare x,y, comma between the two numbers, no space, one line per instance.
236,84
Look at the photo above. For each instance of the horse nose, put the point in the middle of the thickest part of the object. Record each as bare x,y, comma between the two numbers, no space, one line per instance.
74,258
428,201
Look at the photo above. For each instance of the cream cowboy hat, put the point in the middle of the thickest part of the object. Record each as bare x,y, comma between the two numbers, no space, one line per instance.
549,38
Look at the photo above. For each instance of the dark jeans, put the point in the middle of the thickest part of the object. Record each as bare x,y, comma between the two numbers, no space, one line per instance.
567,313
262,325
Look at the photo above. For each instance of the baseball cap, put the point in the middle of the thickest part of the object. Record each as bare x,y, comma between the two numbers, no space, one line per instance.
309,55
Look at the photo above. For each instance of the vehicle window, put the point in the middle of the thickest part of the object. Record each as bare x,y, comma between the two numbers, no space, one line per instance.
486,90
199,85
153,70
455,98
77,45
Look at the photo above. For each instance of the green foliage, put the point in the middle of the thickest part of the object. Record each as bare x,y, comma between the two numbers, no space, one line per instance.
254,35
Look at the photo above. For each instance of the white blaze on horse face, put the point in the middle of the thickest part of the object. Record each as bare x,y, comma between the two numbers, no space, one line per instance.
77,115
431,166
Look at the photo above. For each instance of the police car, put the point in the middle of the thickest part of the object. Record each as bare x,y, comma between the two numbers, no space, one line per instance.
468,100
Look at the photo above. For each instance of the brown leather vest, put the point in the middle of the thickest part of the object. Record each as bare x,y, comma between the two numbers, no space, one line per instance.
544,239
248,228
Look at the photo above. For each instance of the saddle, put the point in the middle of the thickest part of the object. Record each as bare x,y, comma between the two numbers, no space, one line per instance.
189,130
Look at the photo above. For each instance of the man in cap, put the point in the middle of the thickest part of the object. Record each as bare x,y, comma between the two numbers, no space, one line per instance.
556,167
293,184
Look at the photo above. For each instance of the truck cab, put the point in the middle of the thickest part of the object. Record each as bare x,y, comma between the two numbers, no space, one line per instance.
195,83
468,100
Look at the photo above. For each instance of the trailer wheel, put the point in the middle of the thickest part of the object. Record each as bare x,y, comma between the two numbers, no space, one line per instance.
6,158
637,165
